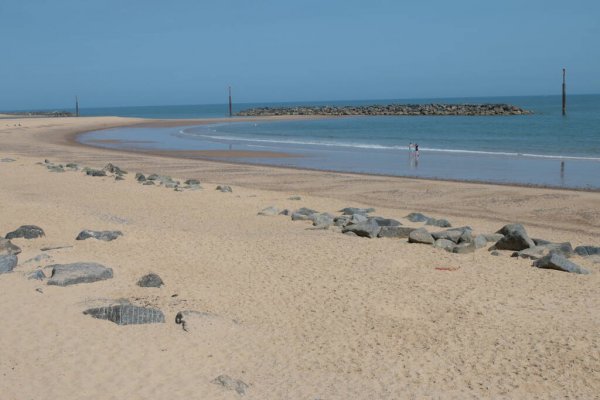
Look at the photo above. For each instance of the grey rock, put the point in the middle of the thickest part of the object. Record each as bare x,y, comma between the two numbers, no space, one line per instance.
493,237
385,221
322,220
398,232
95,172
148,183
467,237
72,274
368,229
586,251
269,211
450,234
442,223
355,210
171,185
295,198
37,275
150,280
26,232
350,233
55,168
464,248
342,220
305,211
140,177
113,169
106,236
495,253
191,182
153,177
540,242
72,166
285,212
300,217
357,219
420,236
127,314
560,263
417,217
480,241
515,238
8,262
540,251
7,248
231,384
224,189
445,244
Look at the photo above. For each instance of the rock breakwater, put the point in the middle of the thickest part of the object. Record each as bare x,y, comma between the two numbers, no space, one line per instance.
391,109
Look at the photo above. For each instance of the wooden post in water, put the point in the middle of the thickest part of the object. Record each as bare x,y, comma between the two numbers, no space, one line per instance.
230,113
564,94
77,106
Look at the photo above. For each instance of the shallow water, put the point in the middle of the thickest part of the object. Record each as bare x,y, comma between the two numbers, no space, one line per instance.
527,149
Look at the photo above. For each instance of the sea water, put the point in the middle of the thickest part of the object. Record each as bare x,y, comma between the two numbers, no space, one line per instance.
545,148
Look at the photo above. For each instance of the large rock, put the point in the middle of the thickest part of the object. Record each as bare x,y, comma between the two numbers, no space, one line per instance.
224,189
398,232
95,172
420,236
7,248
231,384
515,238
355,210
442,223
127,314
305,211
342,220
106,236
417,217
150,280
540,251
480,241
113,169
560,263
586,251
445,244
450,234
385,221
8,262
322,220
140,177
72,274
303,214
368,229
26,232
269,211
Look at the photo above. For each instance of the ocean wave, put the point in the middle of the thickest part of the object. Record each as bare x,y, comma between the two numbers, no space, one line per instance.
207,134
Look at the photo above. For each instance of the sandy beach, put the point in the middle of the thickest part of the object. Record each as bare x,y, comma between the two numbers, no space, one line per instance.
296,313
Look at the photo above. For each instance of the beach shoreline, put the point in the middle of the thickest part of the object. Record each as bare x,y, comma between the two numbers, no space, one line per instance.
289,309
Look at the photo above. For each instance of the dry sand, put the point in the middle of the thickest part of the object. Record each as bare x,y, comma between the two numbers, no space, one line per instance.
303,314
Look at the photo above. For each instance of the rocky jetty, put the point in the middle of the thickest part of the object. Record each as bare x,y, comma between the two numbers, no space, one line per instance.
390,109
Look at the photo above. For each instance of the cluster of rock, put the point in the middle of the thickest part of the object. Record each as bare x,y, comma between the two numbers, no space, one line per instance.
461,240
390,109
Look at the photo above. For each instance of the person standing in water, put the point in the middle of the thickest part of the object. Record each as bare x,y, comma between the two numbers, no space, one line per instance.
416,149
410,148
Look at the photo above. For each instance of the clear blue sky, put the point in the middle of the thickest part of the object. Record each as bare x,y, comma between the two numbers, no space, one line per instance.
134,52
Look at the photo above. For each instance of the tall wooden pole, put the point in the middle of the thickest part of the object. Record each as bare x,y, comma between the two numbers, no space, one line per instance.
230,113
77,106
564,94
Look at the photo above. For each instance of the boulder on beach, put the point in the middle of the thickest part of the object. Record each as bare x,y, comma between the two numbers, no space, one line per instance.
150,280
231,384
445,244
385,221
450,234
368,228
398,232
113,169
559,263
72,274
127,314
295,198
7,247
269,211
586,251
140,177
322,219
417,217
356,210
536,252
442,223
420,236
8,262
224,189
515,238
94,172
105,236
26,232
192,182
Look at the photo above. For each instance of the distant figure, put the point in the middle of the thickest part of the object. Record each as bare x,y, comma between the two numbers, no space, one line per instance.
417,149
410,147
